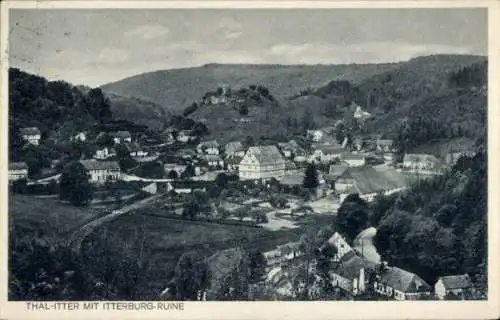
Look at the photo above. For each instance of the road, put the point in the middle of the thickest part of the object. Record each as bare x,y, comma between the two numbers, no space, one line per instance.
363,243
78,236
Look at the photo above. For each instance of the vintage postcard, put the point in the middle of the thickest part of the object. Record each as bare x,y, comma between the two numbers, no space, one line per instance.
191,160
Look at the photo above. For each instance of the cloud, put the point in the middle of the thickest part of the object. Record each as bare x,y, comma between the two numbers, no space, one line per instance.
148,31
112,55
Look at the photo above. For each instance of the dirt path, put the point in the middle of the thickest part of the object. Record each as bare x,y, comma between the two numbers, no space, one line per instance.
363,243
79,235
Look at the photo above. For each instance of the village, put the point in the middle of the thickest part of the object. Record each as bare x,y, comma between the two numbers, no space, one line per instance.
273,186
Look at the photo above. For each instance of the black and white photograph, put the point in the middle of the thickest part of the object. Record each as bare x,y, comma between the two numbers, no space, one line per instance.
246,154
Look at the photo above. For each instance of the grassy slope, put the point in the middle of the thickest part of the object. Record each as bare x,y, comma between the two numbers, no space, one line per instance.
167,240
46,216
178,88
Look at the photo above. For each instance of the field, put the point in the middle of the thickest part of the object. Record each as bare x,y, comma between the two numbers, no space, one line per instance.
165,240
47,217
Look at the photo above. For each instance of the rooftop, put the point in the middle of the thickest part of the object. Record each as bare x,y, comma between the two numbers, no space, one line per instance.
100,165
368,180
31,131
266,154
18,166
403,280
456,282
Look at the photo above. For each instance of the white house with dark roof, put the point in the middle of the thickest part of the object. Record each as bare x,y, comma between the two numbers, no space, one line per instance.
401,284
102,171
122,137
422,164
385,145
31,135
208,147
262,162
326,153
368,182
18,171
352,273
457,285
353,159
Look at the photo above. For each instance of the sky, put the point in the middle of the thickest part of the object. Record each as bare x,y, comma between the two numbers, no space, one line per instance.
97,46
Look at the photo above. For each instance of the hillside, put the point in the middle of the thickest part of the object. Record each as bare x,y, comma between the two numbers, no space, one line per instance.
177,88
309,96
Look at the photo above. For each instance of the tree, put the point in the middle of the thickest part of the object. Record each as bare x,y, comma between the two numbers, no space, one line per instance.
311,181
124,158
352,217
257,264
99,106
173,175
188,172
222,180
243,110
249,141
74,185
308,120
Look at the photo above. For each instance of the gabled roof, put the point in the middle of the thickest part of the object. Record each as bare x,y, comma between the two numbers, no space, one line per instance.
234,146
266,154
385,142
212,157
133,147
122,134
456,282
209,144
368,180
330,148
403,280
352,156
337,169
31,131
18,166
415,157
100,165
351,267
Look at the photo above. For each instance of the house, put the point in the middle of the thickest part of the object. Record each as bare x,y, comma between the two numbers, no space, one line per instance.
81,136
262,162
18,171
282,255
360,114
353,159
232,162
326,153
357,144
122,137
340,244
335,171
135,150
208,147
400,284
452,157
234,148
213,161
104,153
289,149
368,182
185,136
102,171
352,274
422,164
178,168
385,145
300,156
457,285
31,135
315,135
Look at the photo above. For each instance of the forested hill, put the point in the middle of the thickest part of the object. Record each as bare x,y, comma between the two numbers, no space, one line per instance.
52,105
176,89
439,226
